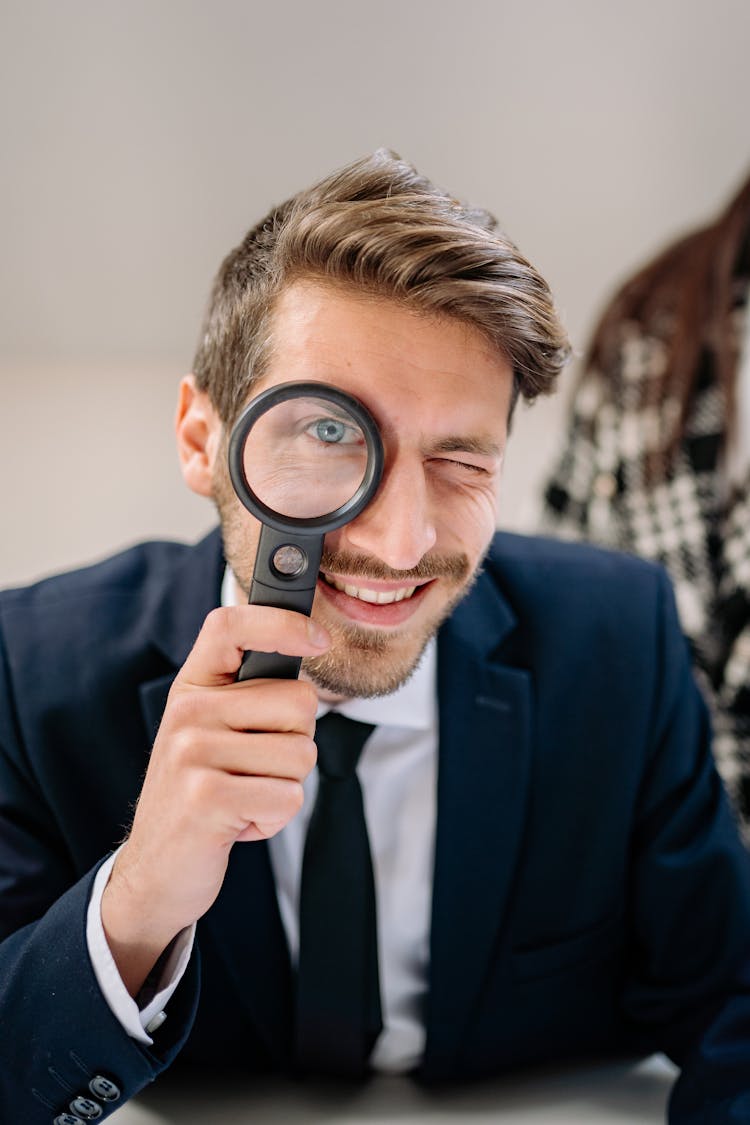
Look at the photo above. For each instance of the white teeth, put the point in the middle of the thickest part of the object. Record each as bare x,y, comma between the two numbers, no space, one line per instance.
377,597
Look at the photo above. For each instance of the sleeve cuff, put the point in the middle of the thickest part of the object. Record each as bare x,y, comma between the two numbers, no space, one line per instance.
136,1021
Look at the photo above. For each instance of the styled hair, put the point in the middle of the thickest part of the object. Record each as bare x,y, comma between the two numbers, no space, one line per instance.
378,227
686,297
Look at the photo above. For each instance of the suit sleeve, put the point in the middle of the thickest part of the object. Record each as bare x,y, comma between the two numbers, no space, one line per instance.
58,1034
690,892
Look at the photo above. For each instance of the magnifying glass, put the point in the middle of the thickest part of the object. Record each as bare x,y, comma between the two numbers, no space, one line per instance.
304,459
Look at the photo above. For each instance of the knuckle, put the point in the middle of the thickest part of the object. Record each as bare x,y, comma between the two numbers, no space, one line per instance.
305,701
222,624
216,620
308,695
295,797
183,746
308,754
185,708
200,790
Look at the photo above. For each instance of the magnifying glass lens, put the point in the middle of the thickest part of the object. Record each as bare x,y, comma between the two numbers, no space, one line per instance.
305,457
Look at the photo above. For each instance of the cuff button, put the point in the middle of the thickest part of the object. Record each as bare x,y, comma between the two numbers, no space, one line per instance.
104,1089
68,1119
86,1108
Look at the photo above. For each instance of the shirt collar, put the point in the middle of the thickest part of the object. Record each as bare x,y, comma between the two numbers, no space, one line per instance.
413,705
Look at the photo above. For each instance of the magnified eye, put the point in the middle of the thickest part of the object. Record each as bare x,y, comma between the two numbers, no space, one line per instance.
328,429
333,430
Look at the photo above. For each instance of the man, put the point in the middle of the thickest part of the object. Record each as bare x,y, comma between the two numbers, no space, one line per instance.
556,868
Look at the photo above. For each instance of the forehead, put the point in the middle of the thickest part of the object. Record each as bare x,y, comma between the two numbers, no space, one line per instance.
397,361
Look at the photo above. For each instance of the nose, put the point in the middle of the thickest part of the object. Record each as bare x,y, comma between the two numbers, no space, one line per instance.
398,525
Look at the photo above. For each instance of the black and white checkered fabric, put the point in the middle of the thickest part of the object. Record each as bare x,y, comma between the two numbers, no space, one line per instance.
692,521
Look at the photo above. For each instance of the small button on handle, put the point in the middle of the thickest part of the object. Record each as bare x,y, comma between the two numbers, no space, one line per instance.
104,1089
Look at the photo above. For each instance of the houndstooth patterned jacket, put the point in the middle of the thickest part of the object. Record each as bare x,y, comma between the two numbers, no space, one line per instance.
692,521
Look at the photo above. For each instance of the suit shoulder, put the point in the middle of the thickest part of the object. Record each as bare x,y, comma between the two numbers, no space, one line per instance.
119,592
93,634
96,608
588,580
123,573
543,556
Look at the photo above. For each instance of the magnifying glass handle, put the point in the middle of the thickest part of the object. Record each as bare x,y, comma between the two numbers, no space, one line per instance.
285,575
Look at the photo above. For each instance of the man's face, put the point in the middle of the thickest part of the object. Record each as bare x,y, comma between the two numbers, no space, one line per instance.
440,396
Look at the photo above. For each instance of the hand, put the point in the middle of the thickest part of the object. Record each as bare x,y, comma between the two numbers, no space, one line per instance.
227,766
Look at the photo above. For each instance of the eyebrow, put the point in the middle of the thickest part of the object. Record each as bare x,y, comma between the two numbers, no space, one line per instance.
483,447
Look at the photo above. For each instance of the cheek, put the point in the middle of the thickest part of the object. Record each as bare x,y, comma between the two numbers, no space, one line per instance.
240,532
468,519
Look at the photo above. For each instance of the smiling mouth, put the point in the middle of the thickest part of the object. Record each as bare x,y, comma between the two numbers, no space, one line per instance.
371,595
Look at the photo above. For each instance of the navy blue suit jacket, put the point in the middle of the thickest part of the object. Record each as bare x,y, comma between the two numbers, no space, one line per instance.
590,890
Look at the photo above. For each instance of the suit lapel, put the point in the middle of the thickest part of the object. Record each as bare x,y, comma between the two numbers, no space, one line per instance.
484,760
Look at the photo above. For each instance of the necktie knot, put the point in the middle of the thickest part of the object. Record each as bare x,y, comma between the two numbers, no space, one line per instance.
340,741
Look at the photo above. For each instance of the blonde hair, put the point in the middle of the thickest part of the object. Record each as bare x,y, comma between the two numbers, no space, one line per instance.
379,227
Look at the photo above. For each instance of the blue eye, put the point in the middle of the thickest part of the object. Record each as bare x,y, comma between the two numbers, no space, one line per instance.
330,430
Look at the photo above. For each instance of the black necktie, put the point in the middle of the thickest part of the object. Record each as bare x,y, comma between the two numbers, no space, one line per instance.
338,994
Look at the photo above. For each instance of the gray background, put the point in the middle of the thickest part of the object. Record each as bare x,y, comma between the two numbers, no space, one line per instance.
139,140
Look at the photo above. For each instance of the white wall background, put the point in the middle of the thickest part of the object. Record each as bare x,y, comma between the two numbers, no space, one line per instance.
140,139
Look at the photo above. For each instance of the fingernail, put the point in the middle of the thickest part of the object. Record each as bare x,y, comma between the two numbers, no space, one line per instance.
317,635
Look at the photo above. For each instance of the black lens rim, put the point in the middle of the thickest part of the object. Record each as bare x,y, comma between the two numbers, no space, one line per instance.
282,392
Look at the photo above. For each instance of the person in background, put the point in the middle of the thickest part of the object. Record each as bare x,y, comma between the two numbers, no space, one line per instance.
657,455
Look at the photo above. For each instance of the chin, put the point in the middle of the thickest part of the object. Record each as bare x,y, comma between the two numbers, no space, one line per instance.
363,671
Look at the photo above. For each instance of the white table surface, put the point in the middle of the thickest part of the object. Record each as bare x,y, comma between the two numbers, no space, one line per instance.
605,1093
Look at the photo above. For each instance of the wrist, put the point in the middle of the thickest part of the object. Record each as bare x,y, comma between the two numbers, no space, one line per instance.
136,936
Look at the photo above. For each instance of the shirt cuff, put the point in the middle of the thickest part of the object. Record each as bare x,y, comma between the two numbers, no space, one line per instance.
136,1021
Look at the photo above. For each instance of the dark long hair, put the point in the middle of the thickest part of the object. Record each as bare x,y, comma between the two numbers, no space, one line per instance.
686,296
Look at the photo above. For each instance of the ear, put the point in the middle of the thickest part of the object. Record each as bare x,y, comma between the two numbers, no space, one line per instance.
198,433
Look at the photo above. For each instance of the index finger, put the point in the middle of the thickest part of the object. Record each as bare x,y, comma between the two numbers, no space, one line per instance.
230,631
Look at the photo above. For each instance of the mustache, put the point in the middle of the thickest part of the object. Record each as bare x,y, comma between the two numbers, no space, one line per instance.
455,567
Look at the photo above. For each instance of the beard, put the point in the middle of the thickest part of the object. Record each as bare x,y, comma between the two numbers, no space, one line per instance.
361,662
366,661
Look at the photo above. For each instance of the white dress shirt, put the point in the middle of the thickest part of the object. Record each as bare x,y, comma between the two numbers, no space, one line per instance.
398,774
